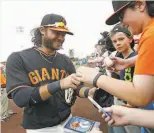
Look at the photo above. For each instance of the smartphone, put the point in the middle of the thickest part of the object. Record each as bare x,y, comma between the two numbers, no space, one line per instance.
99,107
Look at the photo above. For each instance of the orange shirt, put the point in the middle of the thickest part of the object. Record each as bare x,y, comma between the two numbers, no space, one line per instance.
145,62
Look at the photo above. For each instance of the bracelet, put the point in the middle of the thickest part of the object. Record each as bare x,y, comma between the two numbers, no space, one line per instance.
86,92
96,78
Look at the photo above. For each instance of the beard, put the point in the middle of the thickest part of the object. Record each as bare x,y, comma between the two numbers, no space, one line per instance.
49,43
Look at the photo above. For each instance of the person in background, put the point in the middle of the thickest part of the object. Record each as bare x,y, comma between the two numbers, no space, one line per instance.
6,112
99,51
136,40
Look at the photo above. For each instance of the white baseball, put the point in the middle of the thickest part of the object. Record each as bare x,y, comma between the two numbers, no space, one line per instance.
108,62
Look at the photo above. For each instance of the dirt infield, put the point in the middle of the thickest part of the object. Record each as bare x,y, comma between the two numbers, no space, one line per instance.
82,108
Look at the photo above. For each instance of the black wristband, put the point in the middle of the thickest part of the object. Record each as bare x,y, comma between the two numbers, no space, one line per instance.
96,78
86,93
54,87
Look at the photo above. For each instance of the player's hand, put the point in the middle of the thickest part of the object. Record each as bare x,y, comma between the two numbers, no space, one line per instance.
119,114
70,82
86,74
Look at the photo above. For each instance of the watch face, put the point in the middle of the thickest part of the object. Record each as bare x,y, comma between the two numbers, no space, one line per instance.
79,124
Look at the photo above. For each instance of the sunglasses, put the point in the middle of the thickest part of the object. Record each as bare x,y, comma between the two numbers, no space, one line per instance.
122,13
57,25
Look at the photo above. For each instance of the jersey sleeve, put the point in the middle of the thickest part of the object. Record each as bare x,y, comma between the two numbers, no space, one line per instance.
16,74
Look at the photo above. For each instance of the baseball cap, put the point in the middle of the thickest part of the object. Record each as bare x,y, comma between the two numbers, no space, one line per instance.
105,35
107,42
101,41
119,28
118,6
55,22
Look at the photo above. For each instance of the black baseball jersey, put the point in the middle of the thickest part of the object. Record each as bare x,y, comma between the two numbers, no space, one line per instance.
26,72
